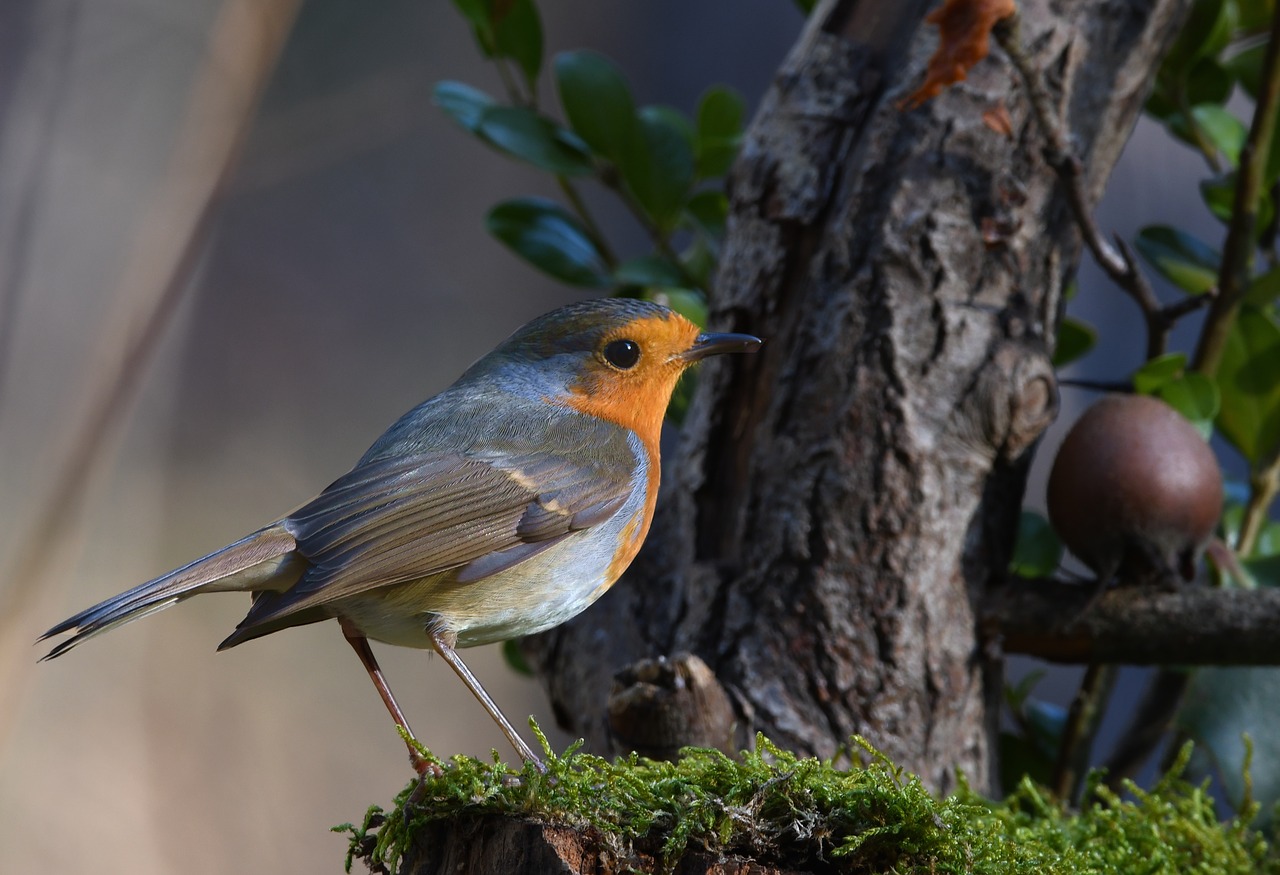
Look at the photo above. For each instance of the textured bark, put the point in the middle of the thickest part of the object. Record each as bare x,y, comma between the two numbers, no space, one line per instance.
839,503
503,844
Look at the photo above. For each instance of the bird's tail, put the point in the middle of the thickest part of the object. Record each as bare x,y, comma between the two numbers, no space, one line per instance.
258,562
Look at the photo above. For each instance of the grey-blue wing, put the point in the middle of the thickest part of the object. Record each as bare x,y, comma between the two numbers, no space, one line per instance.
402,520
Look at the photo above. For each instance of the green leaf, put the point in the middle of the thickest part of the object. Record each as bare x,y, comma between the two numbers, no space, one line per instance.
1037,552
1224,130
1208,82
1154,373
1255,16
462,103
805,6
597,102
1206,33
1246,67
550,238
476,12
1204,81
719,132
1221,706
648,270
1182,259
657,165
516,130
1247,379
518,36
700,260
514,657
1263,290
479,14
709,211
1196,397
1219,196
523,133
1265,570
1075,339
1016,695
689,303
1210,128
1268,542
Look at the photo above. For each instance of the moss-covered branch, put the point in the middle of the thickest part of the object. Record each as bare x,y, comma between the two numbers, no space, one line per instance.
782,813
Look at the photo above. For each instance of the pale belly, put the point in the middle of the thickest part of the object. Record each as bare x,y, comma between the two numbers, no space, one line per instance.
536,595
539,593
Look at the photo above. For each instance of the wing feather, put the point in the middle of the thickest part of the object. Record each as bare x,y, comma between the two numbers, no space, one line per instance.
399,520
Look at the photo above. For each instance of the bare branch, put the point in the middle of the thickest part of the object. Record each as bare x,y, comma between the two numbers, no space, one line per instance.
1134,625
1118,262
1241,243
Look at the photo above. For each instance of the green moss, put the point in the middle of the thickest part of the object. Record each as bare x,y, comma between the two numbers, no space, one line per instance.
872,817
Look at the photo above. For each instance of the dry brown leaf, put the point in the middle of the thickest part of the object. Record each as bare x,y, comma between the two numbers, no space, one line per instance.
997,118
964,36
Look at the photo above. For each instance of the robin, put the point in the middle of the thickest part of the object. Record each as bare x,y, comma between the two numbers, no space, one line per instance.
501,507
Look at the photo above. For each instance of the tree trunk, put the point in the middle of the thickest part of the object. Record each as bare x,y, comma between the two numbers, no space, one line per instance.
839,504
510,845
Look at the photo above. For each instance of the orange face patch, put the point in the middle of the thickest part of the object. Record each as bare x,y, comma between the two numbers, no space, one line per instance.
637,397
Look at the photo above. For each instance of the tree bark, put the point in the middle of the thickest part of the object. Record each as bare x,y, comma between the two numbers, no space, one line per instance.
839,504
507,844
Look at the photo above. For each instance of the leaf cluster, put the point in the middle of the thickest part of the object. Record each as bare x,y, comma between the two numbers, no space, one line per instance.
665,167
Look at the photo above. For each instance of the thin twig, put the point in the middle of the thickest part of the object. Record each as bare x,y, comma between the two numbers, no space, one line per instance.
511,83
659,240
1155,713
1202,143
1171,313
1083,719
1240,246
1118,262
1264,485
1122,386
588,221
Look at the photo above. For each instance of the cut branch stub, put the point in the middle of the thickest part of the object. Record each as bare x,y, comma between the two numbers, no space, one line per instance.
658,706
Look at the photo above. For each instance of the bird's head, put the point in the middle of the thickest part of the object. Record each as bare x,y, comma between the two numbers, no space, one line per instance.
615,358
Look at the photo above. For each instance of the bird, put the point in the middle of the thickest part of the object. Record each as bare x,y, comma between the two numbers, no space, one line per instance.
501,507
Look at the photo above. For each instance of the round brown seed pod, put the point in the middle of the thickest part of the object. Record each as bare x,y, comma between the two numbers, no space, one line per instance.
1135,491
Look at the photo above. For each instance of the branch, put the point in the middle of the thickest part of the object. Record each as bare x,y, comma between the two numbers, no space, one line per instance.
1135,625
1240,245
1118,262
1081,729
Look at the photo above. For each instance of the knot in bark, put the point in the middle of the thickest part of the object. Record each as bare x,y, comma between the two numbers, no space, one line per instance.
1016,398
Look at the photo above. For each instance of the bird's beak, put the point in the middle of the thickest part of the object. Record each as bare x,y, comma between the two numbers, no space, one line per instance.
717,344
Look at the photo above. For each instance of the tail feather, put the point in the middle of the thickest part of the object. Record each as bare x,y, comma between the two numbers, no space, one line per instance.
256,562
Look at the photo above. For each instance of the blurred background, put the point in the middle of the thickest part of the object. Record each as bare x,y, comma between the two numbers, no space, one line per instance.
347,277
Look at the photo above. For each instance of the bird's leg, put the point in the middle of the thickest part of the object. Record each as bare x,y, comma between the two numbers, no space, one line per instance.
361,646
445,648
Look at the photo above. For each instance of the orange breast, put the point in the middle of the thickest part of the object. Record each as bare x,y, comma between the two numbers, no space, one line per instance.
636,399
637,528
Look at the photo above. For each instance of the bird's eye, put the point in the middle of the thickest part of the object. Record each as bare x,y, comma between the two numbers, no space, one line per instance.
622,353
